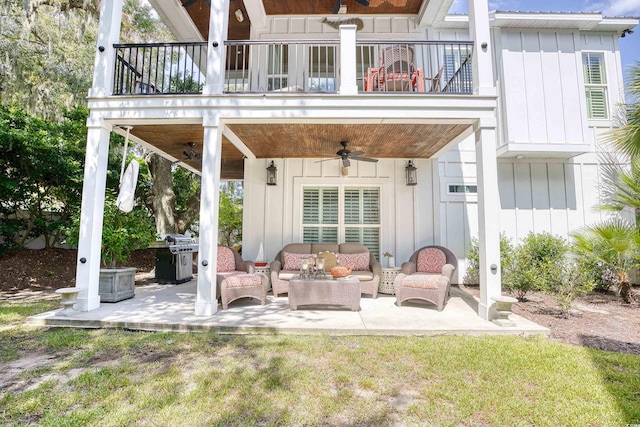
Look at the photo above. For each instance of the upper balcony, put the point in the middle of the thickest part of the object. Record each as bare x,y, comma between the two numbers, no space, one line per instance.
297,67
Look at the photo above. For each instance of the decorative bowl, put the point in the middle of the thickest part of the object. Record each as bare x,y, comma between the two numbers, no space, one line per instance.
339,271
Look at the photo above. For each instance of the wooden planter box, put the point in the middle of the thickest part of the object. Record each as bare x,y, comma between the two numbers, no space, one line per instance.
117,284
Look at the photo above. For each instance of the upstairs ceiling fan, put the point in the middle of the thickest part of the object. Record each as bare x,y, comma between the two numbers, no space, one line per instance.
346,155
191,154
336,6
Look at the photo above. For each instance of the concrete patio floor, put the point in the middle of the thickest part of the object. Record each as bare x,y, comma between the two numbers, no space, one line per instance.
171,308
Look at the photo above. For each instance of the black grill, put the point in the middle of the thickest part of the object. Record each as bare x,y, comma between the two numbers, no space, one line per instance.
174,257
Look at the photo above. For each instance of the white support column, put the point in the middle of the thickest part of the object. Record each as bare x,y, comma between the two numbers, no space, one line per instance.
206,298
108,34
348,85
479,31
91,215
216,63
488,217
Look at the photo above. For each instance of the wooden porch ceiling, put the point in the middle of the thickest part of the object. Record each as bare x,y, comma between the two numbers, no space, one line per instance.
199,11
288,140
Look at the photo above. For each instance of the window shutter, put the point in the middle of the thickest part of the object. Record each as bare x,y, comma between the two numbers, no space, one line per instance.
596,103
371,206
593,69
311,206
352,206
329,208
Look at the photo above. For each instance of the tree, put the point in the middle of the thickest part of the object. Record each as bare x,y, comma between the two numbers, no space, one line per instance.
41,174
230,213
626,138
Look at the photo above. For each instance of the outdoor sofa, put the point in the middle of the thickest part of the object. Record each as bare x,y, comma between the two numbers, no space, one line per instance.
287,264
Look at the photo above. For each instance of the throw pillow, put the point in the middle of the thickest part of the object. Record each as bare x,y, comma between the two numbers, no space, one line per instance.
330,260
226,260
431,260
359,261
293,261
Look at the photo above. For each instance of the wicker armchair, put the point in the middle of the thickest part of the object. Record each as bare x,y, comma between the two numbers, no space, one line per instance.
229,264
426,276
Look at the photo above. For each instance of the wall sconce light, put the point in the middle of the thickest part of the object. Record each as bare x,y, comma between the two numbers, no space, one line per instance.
412,173
272,174
239,15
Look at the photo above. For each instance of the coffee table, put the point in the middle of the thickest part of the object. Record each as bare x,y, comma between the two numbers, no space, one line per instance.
344,291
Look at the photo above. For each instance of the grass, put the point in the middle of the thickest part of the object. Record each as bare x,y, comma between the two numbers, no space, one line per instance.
115,377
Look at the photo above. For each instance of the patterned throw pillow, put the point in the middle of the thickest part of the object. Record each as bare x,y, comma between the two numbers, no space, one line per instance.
226,260
431,260
360,261
293,261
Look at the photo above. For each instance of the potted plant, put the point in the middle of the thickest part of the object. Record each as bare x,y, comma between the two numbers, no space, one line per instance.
391,263
122,233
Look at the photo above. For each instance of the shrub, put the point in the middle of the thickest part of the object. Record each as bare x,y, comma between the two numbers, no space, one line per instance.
574,282
472,275
537,264
122,233
602,276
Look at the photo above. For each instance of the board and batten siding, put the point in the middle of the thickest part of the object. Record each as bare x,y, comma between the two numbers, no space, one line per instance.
536,195
539,75
272,213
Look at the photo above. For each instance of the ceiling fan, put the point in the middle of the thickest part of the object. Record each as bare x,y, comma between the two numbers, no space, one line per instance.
346,155
191,154
336,7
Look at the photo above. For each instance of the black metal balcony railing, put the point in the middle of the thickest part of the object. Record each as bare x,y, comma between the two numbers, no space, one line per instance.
295,66
415,66
159,68
282,66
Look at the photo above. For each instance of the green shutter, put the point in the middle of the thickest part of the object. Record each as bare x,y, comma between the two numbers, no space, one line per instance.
596,103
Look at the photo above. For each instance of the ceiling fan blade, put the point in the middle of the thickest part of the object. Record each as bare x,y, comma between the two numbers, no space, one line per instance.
324,160
336,7
365,159
363,2
189,3
356,153
345,162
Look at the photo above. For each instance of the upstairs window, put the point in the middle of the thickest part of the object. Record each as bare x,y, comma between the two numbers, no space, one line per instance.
595,81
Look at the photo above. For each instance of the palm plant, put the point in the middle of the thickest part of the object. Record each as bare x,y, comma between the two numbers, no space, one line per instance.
616,244
626,138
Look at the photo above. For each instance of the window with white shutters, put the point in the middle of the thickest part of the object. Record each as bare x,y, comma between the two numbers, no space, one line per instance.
320,215
595,85
360,222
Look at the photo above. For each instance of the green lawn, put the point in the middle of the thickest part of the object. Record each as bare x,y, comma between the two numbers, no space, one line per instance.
114,377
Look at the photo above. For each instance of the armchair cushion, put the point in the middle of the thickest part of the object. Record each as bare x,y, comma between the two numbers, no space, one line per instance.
431,260
422,280
226,259
360,261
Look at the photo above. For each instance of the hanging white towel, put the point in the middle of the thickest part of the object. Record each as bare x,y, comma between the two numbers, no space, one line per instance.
127,194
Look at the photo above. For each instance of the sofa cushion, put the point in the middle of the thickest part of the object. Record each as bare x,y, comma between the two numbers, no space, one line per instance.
293,261
359,261
422,281
364,276
288,274
226,260
431,260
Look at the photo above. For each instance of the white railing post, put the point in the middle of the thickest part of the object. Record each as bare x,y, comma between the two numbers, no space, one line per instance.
482,71
108,34
348,85
216,61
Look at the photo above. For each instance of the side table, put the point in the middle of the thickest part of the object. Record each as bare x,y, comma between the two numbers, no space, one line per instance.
386,281
266,270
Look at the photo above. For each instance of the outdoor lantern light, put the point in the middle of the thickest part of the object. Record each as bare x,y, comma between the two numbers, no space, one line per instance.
272,172
412,173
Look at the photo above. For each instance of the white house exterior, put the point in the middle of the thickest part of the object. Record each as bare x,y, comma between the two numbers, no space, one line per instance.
505,141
